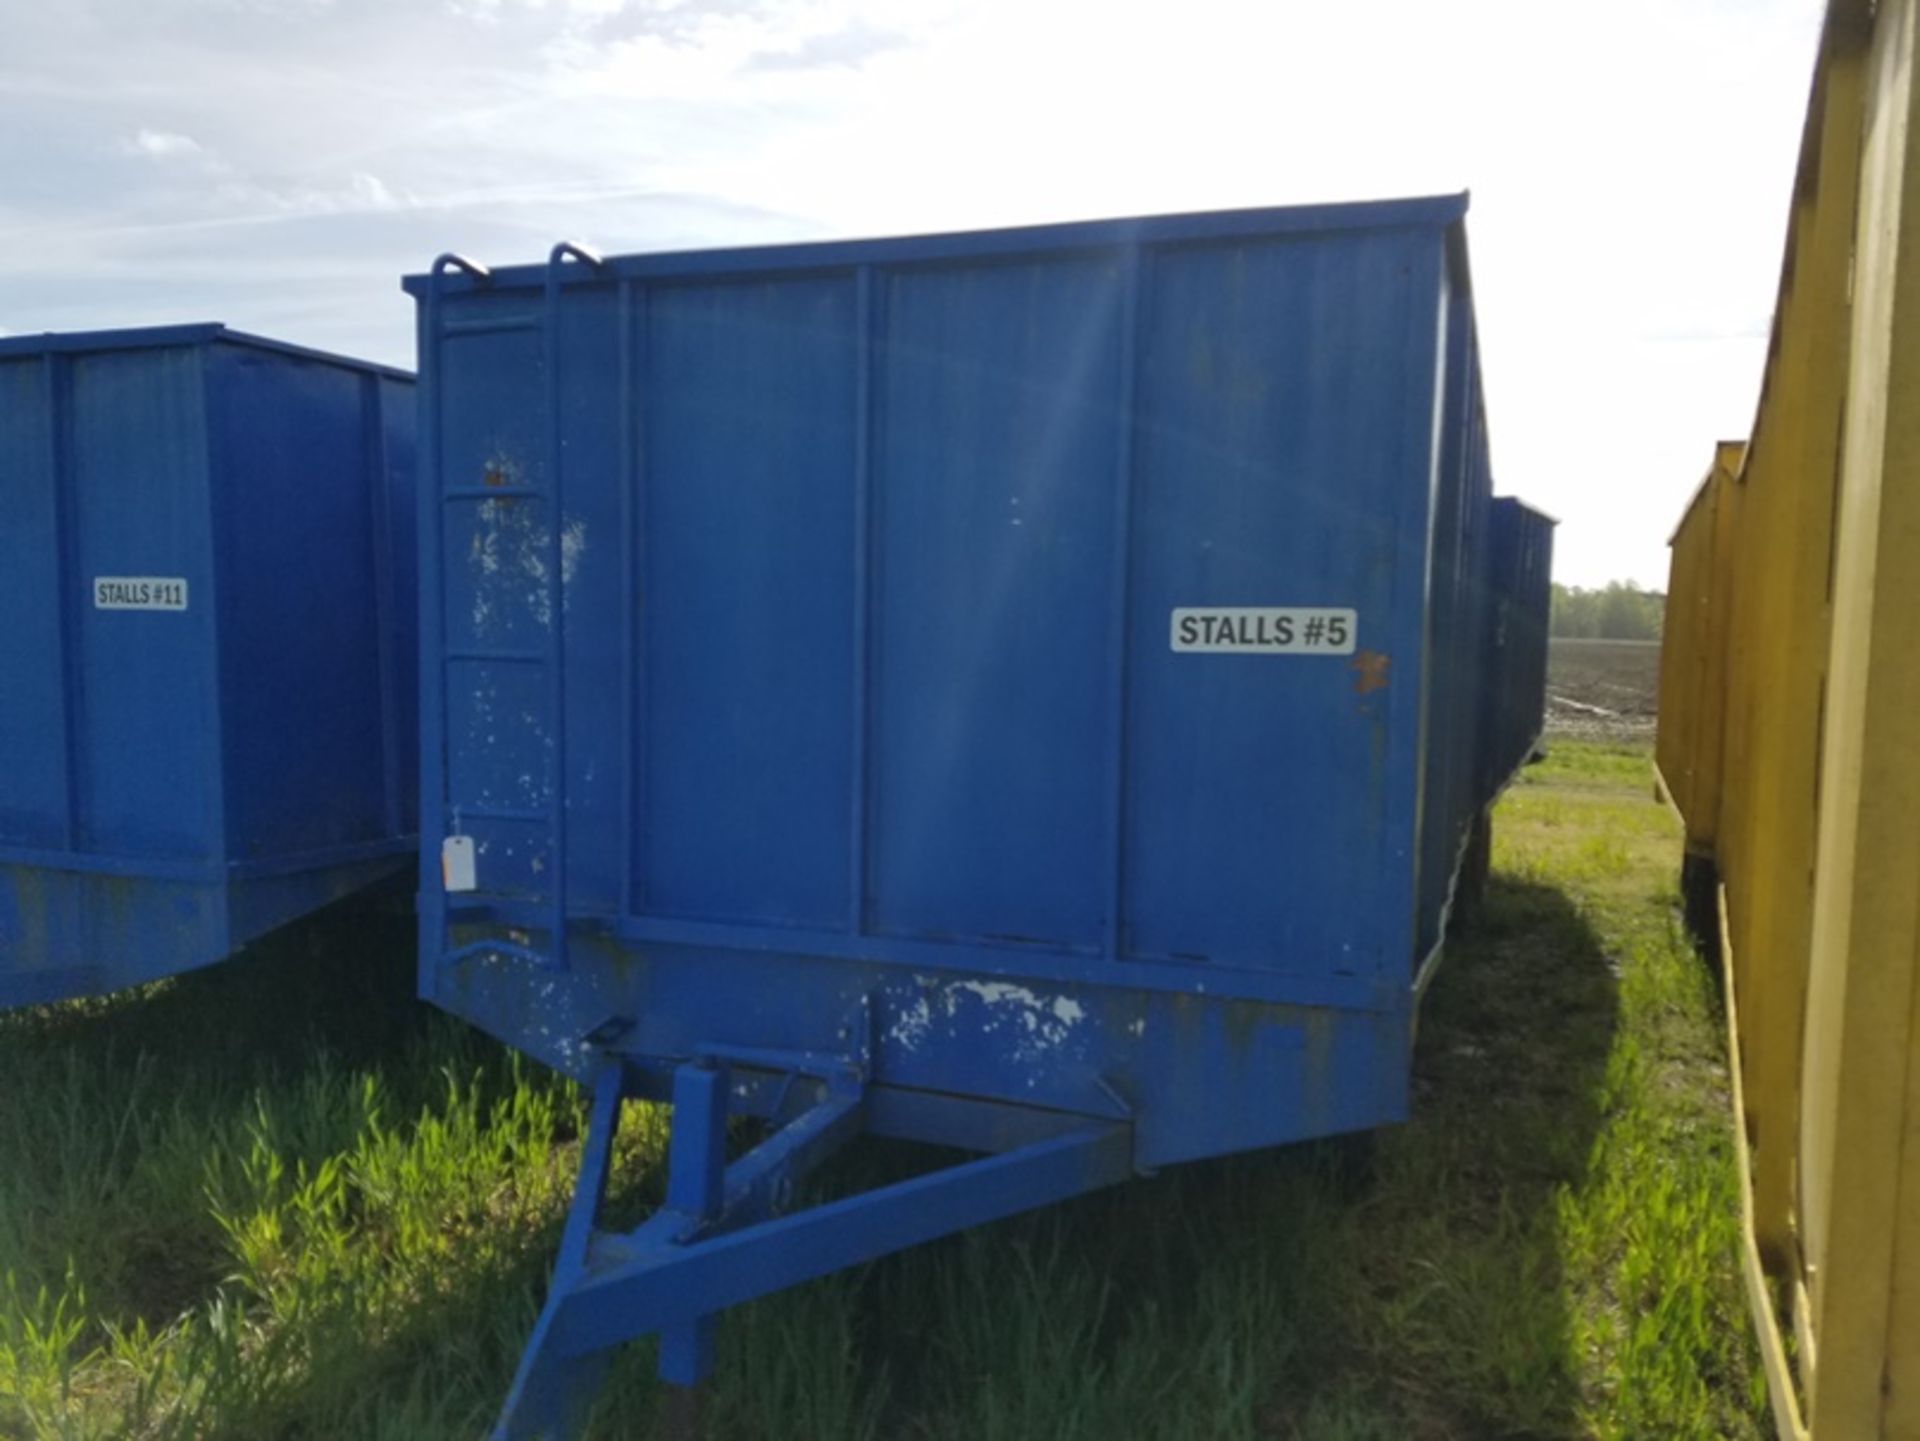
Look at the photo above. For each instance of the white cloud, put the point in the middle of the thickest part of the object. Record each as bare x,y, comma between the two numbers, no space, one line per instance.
1629,159
162,144
370,192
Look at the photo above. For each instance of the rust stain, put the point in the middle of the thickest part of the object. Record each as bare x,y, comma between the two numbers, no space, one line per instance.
1369,672
500,471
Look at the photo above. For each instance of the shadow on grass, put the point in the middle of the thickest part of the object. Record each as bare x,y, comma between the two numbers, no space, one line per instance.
1510,1094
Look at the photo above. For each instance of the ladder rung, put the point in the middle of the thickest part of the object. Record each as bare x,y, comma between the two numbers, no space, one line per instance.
535,958
492,492
553,818
502,813
501,657
491,325
504,908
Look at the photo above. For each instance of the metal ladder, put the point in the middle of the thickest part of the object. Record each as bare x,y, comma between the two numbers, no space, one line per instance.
550,658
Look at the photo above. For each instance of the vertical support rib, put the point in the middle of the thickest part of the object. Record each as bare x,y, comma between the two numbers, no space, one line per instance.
864,342
373,439
556,622
209,442
557,597
57,380
631,407
430,484
1132,279
431,679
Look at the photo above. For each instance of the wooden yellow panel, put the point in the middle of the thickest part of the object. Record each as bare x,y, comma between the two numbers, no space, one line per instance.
1685,654
1810,808
1858,1153
1902,1365
1693,666
1709,757
1789,479
1787,1414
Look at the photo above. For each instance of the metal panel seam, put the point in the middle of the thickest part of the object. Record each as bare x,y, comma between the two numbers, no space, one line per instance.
216,545
1407,716
373,438
58,380
1133,279
865,340
630,316
429,589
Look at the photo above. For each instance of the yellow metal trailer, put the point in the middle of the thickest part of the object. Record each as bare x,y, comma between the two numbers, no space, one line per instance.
1790,743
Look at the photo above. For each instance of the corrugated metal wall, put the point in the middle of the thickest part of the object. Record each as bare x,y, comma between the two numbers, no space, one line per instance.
1790,687
1521,585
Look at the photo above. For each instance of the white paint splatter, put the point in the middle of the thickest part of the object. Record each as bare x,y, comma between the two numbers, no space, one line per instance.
508,543
996,993
1036,1025
910,1027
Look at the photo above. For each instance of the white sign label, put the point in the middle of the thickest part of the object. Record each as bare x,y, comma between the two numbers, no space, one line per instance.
457,871
1264,629
139,592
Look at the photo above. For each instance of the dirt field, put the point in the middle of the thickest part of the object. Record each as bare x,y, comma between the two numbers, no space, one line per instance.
1602,689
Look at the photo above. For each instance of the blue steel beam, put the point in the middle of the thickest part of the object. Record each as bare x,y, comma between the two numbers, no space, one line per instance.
761,1183
697,1191
719,1239
757,1186
551,1394
656,1292
983,956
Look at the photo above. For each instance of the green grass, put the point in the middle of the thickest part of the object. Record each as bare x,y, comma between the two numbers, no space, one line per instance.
279,1200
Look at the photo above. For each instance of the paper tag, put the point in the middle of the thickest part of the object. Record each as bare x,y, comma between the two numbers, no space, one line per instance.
457,864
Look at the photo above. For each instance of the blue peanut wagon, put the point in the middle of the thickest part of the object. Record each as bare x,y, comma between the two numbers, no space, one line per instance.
207,681
1028,691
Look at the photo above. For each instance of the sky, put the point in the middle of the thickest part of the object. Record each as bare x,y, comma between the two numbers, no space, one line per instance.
278,164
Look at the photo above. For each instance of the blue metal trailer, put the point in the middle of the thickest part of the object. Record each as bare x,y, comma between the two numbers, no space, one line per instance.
1022,690
1520,590
207,678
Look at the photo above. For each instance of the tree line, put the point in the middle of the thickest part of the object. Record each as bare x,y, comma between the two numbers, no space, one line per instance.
1619,610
